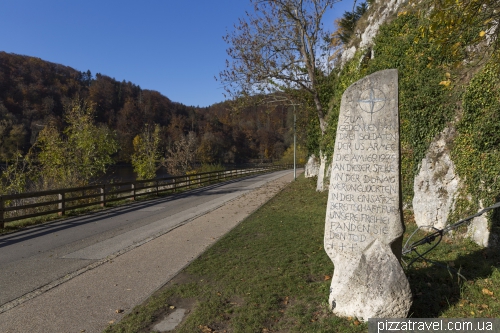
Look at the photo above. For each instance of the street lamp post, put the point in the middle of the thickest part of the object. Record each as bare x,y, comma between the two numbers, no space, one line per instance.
294,145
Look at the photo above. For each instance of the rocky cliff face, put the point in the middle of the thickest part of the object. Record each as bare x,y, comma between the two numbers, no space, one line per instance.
384,11
436,184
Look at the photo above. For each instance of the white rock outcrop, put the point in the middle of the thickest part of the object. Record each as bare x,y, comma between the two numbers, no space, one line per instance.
479,231
320,185
375,20
436,185
311,168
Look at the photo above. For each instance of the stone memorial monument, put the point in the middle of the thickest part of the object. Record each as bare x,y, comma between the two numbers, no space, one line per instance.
363,227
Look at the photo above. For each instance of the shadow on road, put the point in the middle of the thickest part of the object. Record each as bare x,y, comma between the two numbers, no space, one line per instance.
91,217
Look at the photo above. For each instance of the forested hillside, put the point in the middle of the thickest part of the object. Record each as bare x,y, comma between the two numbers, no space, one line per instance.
35,93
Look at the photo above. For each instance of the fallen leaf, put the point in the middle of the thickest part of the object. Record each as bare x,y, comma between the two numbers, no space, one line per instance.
111,322
356,322
172,307
285,301
482,33
484,306
206,329
327,277
119,311
487,292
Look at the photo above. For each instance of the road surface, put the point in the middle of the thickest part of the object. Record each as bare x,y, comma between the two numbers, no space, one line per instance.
72,275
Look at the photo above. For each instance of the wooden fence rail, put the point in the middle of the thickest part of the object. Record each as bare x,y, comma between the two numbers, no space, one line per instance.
15,207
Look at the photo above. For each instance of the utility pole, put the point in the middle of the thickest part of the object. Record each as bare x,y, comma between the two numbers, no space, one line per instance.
294,145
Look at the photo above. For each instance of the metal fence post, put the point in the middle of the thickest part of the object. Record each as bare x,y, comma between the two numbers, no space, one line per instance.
157,184
62,204
103,195
133,192
2,223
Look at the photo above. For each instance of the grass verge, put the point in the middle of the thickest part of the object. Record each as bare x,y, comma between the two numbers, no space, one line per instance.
271,274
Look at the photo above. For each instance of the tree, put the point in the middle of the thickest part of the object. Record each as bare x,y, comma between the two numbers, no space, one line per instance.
83,152
146,152
348,22
278,48
210,148
181,156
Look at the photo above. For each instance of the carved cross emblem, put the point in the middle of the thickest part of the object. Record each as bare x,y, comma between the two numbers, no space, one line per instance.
372,100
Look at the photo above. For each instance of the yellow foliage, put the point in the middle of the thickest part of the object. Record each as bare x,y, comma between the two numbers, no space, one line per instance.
137,141
288,155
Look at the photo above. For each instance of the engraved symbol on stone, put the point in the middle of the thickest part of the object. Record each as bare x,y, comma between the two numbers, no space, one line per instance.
371,101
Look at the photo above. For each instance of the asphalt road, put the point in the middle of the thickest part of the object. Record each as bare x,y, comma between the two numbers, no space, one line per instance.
40,258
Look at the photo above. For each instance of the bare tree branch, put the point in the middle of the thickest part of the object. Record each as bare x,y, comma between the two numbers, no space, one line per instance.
277,48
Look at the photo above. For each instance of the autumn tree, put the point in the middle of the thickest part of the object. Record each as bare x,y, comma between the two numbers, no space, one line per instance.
82,152
181,155
280,46
210,148
12,135
146,154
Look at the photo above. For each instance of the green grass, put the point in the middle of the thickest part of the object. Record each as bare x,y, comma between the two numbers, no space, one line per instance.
271,274
465,282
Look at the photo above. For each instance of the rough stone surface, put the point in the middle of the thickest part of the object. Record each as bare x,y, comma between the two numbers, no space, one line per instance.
311,168
436,185
320,185
375,20
363,225
171,322
479,231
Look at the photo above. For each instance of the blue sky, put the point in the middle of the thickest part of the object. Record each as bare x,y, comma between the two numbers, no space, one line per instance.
172,46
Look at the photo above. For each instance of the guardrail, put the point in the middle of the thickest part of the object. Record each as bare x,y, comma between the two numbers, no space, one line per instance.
15,207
